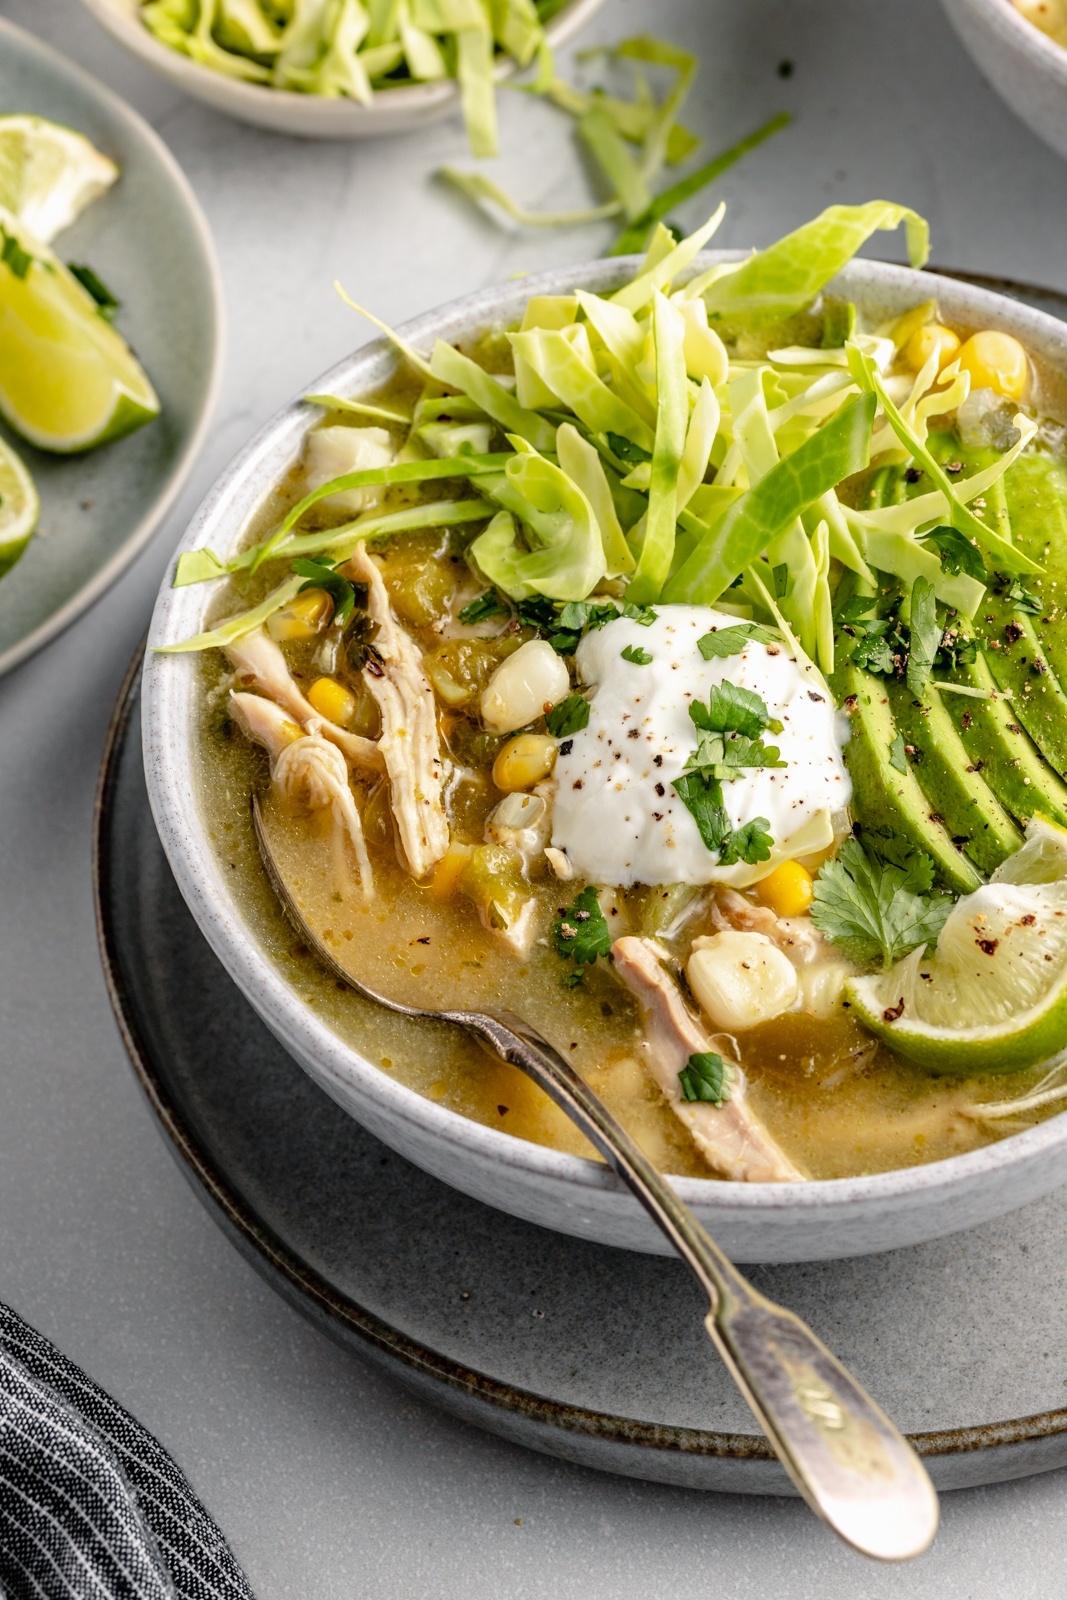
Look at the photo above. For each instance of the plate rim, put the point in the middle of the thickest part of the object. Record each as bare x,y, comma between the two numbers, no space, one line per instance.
85,597
351,1324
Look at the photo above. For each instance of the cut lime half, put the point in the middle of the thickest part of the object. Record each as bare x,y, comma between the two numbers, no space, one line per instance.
19,507
993,996
49,174
68,380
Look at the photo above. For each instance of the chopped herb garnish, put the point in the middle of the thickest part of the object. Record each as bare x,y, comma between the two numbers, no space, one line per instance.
107,304
1022,600
873,908
488,604
580,933
956,553
897,758
564,628
323,575
634,654
624,449
750,843
924,636
570,716
12,254
706,1077
733,709
731,641
728,745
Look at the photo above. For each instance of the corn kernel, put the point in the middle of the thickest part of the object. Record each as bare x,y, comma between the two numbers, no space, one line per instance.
925,340
449,870
787,890
996,361
333,701
906,325
305,616
524,761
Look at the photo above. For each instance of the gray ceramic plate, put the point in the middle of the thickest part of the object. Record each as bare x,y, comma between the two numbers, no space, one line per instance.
588,1353
149,242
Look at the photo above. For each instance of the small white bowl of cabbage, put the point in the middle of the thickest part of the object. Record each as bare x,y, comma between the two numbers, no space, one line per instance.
322,71
1020,46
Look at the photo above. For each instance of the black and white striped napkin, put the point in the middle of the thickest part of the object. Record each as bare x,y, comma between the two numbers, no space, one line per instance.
91,1505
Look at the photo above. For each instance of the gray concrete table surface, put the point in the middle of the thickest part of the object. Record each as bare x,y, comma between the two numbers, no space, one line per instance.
329,1481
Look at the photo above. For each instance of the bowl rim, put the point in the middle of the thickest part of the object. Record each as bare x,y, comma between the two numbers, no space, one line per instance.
411,100
167,741
1011,25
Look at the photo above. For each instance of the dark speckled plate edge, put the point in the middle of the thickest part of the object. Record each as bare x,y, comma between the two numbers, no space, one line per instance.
691,1457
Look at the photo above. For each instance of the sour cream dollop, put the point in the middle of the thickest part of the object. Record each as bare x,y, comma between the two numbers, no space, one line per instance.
616,816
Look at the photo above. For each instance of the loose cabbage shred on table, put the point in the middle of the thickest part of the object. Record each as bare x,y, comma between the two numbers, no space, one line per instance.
656,442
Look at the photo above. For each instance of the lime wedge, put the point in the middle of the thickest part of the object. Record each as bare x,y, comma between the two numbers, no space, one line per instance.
19,507
68,380
49,174
993,996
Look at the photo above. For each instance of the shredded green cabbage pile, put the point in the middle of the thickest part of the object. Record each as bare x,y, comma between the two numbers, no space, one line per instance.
357,49
628,141
656,442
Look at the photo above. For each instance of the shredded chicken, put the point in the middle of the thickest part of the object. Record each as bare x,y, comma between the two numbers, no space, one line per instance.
730,1137
409,743
259,664
307,771
798,937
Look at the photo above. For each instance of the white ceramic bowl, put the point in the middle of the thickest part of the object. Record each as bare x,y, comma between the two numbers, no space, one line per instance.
308,116
754,1222
1026,68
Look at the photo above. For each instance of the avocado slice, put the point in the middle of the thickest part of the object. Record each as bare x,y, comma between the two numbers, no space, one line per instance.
1035,492
997,746
882,797
1017,660
951,782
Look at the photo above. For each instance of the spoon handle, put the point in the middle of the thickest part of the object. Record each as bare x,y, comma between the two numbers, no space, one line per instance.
842,1452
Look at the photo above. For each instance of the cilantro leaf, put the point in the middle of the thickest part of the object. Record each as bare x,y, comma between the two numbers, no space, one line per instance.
634,654
486,605
873,908
717,755
956,552
897,759
570,716
12,254
702,798
580,932
731,641
107,304
1023,600
537,612
925,636
322,575
705,1077
644,616
624,449
750,843
733,709
854,609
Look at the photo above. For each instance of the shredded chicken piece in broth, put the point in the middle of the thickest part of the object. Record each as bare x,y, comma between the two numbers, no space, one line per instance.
308,771
730,1137
410,743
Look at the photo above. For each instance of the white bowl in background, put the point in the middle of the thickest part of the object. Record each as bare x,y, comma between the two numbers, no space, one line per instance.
753,1222
1026,68
306,115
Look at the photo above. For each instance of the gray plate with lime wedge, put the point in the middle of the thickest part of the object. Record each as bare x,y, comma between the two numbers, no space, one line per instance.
148,242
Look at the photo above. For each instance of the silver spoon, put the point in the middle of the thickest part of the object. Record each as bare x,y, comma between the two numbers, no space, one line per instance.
842,1452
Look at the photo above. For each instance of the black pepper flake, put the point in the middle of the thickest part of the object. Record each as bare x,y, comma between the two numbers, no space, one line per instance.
566,747
660,790
913,474
657,761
